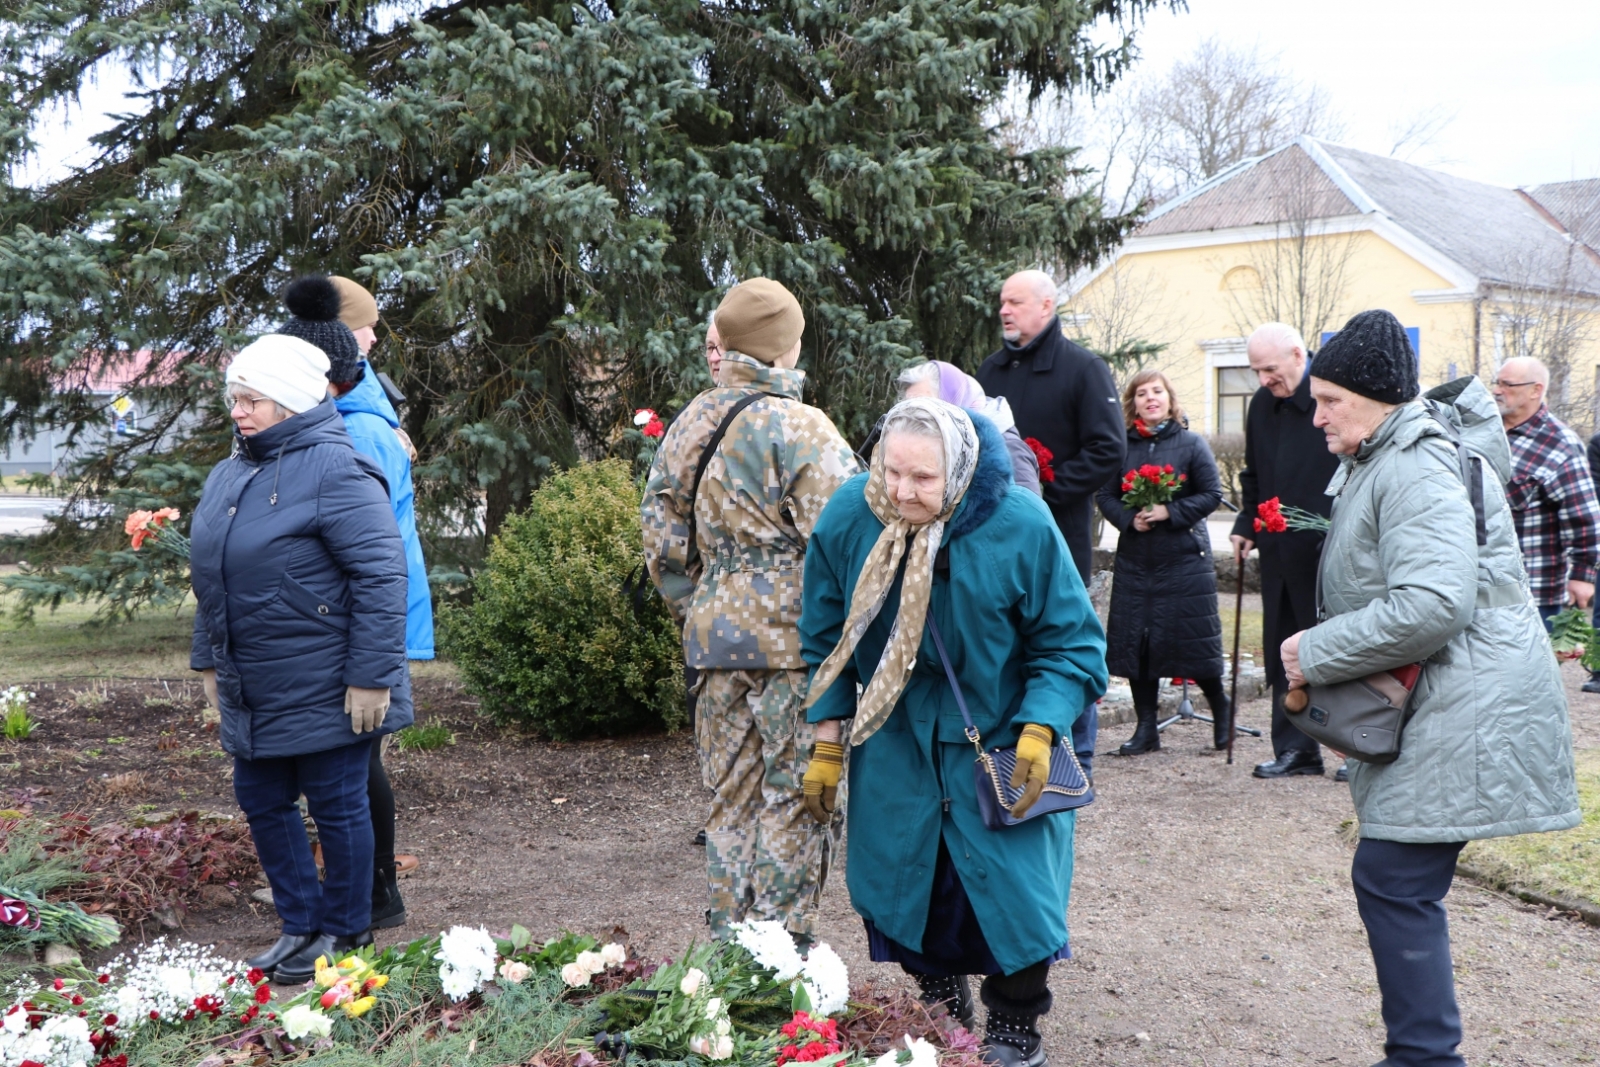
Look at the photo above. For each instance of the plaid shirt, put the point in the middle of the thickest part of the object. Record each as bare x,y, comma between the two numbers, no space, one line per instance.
1553,500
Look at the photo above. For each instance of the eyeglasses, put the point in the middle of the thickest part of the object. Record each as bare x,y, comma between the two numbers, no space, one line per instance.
246,404
1499,384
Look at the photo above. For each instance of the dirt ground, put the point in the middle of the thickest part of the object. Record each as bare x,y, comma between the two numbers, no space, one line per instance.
1212,917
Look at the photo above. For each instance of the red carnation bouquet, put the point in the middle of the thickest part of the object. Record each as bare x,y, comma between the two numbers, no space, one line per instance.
1046,458
1273,517
1149,485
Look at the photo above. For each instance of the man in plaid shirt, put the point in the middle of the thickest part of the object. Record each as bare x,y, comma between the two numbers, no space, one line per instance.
1551,493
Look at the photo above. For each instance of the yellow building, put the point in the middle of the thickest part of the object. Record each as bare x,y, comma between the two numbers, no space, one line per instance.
1313,232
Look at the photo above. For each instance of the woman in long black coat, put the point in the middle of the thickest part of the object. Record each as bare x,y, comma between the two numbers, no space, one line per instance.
1164,621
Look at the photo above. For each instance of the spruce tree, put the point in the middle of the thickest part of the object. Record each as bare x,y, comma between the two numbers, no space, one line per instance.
547,198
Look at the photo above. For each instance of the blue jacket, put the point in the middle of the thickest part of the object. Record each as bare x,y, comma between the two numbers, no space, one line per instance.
371,420
1026,646
300,584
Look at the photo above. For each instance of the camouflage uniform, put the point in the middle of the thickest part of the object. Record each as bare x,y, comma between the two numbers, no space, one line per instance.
739,603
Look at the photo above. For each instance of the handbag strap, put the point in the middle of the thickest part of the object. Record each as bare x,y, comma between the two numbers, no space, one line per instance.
955,686
705,461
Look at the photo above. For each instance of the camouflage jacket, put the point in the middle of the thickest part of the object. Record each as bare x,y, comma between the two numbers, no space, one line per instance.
779,463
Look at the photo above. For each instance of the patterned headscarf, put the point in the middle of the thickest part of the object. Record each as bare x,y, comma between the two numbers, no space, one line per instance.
918,546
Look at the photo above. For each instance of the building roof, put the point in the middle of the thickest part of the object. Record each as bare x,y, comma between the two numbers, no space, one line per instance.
1498,235
1575,205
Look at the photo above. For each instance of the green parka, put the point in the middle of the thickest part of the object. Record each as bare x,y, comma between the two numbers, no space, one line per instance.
1027,647
1488,750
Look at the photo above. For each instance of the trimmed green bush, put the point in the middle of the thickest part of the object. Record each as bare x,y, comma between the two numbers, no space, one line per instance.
551,641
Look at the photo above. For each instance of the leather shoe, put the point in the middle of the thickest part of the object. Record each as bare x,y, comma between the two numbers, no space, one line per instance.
1593,684
1289,764
302,966
1001,1054
1343,773
287,945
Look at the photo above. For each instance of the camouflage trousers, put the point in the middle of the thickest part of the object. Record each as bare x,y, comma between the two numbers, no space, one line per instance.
766,859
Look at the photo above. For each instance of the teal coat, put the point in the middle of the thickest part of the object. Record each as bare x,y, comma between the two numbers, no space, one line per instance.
1026,646
1488,750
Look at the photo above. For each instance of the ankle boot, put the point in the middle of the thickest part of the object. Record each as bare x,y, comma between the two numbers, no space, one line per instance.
302,966
1011,1035
388,910
1146,738
1222,723
953,993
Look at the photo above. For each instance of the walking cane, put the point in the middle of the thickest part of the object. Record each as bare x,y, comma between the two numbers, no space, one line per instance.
1233,689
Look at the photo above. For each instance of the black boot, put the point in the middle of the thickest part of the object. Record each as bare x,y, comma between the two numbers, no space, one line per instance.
302,966
1146,738
388,910
287,945
953,993
1221,722
1011,1036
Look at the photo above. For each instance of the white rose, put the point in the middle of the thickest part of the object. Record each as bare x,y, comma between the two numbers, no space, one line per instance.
724,1027
713,1007
515,972
574,975
591,962
724,1048
691,982
700,1045
300,1021
614,955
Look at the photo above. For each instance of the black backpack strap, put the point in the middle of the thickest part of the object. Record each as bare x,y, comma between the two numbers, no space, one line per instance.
710,450
1471,476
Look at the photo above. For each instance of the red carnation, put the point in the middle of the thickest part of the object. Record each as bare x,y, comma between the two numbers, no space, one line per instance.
1167,469
654,428
263,993
1046,458
255,976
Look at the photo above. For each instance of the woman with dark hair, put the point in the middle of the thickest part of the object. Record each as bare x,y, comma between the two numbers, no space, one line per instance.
1164,621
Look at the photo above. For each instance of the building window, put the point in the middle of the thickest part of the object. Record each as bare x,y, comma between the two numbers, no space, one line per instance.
1235,387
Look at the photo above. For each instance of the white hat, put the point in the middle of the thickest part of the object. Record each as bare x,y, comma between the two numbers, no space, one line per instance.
292,372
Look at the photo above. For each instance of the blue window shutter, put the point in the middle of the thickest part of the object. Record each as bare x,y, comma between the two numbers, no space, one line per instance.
1413,334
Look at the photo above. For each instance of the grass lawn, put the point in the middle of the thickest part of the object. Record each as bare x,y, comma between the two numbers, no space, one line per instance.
1249,629
1564,864
155,645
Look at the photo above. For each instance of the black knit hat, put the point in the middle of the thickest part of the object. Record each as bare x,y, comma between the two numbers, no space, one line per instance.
1371,356
313,302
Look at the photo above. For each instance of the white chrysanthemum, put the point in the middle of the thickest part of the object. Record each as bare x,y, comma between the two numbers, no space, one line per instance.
303,1021
771,945
467,957
827,981
922,1054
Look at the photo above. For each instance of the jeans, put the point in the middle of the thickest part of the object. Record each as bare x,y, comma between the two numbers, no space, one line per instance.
1550,611
1085,732
1398,892
335,786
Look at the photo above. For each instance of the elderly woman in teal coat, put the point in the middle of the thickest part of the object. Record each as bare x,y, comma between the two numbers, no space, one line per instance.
939,528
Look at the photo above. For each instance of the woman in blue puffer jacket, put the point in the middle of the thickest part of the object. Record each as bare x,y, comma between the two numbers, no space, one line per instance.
300,583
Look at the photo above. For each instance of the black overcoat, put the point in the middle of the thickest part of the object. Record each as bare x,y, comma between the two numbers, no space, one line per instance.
1285,456
1164,621
1062,395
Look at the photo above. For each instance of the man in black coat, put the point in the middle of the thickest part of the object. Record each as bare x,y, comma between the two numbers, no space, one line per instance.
1062,396
1287,457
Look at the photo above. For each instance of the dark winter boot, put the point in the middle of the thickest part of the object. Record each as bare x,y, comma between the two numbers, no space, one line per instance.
388,910
1221,722
1011,1036
1146,738
953,993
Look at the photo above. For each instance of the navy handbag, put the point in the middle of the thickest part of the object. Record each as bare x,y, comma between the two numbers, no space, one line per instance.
1067,787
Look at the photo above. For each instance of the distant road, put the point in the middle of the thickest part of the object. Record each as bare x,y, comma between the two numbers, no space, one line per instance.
26,514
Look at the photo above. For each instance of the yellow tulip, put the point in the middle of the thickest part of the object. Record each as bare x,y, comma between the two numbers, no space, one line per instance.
357,1008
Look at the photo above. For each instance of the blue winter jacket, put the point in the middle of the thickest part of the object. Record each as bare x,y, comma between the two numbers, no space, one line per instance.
371,420
300,583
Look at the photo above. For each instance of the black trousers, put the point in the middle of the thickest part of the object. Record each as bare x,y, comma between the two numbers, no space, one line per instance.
381,799
1281,622
1398,892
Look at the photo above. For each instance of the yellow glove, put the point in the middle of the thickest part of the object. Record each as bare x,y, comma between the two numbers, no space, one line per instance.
1033,766
821,781
366,707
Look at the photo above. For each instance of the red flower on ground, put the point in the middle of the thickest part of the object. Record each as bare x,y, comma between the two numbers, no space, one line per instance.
263,993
